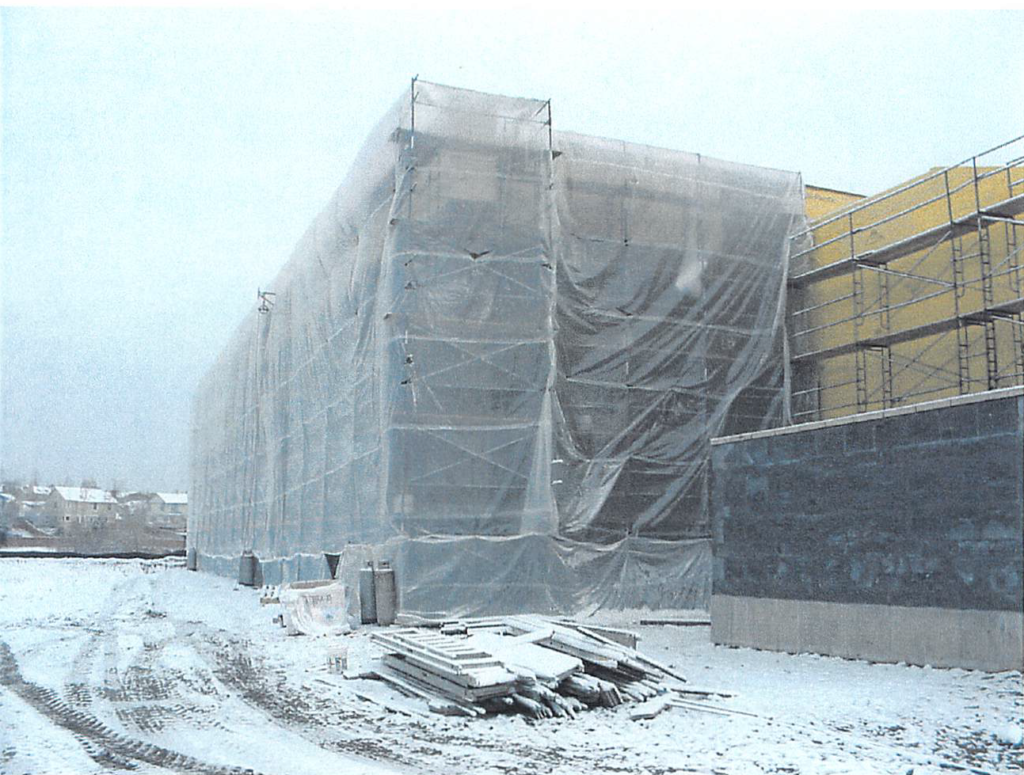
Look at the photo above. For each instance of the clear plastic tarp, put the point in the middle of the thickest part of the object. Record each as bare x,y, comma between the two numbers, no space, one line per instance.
497,359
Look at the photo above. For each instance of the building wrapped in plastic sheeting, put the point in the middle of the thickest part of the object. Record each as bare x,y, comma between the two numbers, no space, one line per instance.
497,359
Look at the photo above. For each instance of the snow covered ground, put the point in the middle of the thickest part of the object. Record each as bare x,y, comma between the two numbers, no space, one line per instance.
132,665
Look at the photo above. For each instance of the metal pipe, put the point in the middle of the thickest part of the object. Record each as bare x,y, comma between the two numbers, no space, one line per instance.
551,144
1012,164
893,217
919,261
805,310
913,208
919,299
929,392
818,389
884,270
1005,272
412,111
1000,219
977,192
918,205
824,244
913,364
922,181
825,325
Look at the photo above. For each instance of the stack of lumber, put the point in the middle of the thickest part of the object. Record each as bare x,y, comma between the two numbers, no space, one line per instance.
447,667
520,664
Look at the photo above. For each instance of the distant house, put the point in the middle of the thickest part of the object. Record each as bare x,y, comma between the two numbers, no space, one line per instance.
35,512
136,506
29,502
169,509
73,508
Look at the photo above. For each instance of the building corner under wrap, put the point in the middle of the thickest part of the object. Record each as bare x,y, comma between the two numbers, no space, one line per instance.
501,367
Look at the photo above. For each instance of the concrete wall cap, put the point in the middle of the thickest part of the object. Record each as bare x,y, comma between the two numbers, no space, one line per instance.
878,414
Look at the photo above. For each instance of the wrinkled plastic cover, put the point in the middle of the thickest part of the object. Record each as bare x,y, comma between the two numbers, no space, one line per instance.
497,358
318,611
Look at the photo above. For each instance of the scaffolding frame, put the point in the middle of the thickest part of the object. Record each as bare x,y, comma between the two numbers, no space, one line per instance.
937,257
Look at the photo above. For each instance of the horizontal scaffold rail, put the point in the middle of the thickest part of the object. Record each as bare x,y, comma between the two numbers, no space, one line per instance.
1006,209
994,312
937,174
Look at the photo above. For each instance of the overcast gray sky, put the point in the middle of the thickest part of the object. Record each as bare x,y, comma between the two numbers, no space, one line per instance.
159,165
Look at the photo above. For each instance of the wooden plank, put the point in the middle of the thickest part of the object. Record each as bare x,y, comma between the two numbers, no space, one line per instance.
704,692
604,653
435,656
451,675
389,706
582,653
650,661
478,677
428,637
412,620
603,648
449,647
623,638
650,708
443,707
697,706
449,708
693,705
532,637
448,688
444,663
435,702
441,644
547,665
1008,208
403,686
677,622
663,668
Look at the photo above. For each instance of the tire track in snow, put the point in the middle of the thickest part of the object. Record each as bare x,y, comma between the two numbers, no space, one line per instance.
103,744
233,666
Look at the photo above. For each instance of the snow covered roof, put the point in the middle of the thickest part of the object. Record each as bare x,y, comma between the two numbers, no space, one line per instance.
39,489
173,498
85,494
134,495
5,497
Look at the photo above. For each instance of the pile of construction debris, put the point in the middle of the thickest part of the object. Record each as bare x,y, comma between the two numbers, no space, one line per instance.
523,664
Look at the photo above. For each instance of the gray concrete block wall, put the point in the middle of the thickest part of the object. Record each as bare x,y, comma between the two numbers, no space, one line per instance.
921,509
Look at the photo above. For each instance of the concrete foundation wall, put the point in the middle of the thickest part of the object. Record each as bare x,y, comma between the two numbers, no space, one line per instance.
891,536
940,637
